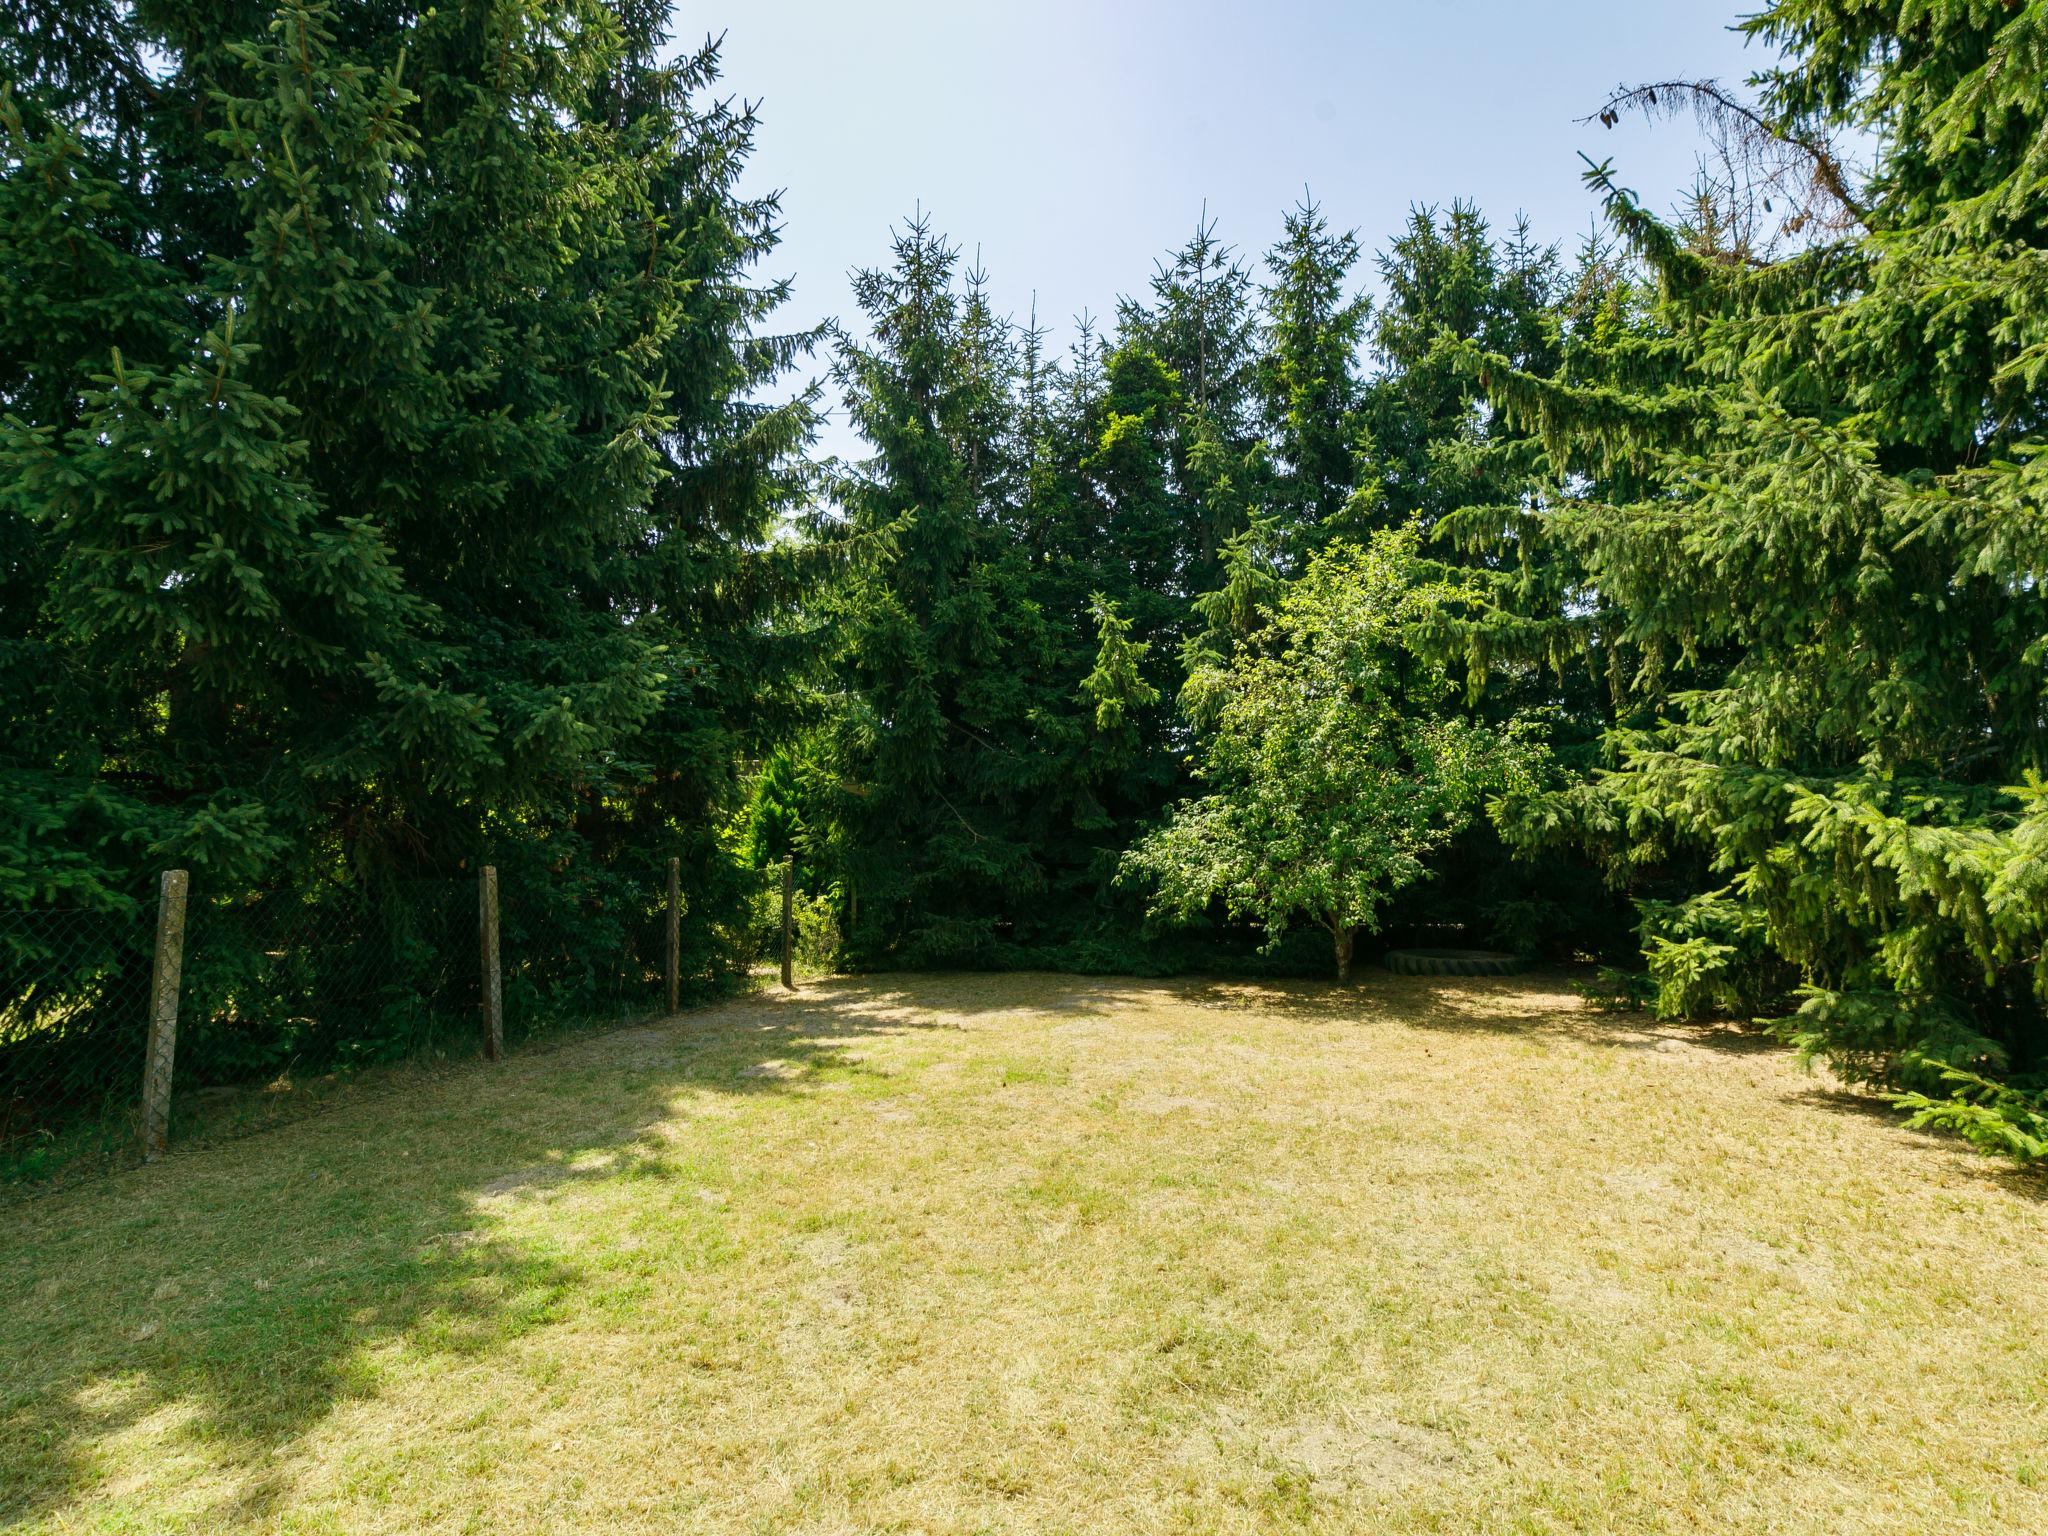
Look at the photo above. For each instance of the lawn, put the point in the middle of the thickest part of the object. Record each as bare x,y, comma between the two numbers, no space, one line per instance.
1042,1253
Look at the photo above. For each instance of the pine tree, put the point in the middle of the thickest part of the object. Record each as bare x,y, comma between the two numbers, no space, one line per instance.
1545,644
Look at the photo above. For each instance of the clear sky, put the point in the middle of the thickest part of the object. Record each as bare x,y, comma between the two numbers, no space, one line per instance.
1073,143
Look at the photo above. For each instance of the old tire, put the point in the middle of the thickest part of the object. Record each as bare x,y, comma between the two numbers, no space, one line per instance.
1454,962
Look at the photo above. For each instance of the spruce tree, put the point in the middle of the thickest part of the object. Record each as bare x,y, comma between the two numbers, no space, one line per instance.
1308,377
1447,276
1837,599
1202,325
936,643
389,481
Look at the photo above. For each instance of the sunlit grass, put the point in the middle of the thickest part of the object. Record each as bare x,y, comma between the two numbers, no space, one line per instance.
1038,1253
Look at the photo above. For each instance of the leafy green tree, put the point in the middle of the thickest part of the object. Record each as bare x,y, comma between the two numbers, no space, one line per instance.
1333,768
1416,439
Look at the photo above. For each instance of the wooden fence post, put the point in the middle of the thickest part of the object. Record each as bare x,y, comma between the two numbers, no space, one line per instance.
675,933
788,894
165,975
487,935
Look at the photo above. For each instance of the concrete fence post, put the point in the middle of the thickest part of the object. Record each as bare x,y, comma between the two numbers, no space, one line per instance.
165,975
493,982
674,969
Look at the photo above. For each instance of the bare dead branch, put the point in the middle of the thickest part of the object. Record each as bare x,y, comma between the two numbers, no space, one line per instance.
1751,166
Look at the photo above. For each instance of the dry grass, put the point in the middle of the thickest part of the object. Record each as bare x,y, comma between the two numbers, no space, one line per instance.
1034,1253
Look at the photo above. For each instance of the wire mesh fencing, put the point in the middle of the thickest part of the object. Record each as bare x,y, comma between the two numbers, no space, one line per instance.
74,1018
588,953
326,977
288,996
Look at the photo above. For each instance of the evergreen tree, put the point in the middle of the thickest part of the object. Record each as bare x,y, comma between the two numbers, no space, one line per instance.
1202,326
1838,598
1308,376
1447,277
383,485
1202,323
940,648
716,578
1128,464
1546,644
1424,445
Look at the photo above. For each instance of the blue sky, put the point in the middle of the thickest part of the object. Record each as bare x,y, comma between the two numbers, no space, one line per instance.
1074,143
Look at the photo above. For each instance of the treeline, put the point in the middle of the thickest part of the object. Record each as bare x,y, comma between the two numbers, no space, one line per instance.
1711,564
1084,546
388,487
389,473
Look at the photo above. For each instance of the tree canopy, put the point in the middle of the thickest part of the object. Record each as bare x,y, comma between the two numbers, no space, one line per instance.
1331,766
400,468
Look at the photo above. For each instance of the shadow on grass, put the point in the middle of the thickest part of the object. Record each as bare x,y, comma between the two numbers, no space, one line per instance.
1535,1004
229,1300
231,1297
2028,1181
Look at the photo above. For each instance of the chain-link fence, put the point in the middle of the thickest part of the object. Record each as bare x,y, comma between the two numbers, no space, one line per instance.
288,995
594,954
74,1005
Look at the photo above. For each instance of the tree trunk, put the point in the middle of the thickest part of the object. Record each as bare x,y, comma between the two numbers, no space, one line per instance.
1342,933
788,894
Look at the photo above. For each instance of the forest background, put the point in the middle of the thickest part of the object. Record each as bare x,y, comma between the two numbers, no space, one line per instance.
401,470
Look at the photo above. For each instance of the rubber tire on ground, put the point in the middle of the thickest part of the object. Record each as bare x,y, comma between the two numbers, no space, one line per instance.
1454,962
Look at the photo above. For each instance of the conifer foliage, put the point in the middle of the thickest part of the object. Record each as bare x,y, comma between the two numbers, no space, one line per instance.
384,482
395,473
968,751
1834,588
